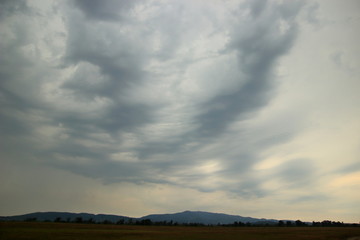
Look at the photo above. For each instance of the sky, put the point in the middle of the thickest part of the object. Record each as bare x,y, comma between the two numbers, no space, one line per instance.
136,107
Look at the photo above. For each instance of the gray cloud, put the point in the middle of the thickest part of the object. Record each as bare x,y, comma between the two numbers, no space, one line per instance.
354,167
296,172
8,8
258,51
83,120
108,10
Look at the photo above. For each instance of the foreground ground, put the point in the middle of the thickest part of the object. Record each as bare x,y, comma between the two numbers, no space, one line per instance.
69,231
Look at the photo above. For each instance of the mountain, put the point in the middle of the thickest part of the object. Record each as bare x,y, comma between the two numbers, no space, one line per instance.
204,218
65,216
186,217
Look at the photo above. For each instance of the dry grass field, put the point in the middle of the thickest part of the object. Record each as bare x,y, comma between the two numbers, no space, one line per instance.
71,231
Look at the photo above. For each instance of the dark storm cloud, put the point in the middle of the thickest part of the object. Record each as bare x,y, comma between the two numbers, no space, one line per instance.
115,60
107,10
10,7
87,116
258,50
16,94
115,54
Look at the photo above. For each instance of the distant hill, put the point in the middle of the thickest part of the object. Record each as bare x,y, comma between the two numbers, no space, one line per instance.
186,217
65,216
207,218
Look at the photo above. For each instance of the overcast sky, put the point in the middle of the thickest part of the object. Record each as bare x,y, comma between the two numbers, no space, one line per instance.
137,107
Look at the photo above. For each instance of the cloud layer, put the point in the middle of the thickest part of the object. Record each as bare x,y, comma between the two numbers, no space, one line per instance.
179,95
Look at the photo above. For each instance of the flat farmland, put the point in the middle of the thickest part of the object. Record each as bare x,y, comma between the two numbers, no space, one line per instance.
69,231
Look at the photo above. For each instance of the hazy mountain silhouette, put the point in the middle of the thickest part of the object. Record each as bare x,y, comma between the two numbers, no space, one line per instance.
65,216
203,217
181,218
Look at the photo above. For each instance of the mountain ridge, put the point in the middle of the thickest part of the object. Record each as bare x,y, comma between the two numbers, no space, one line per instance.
211,218
185,217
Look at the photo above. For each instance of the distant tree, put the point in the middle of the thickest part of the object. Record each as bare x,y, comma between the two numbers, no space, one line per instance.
144,222
120,222
281,223
299,223
315,224
338,224
31,219
326,223
58,219
238,224
289,223
91,221
78,220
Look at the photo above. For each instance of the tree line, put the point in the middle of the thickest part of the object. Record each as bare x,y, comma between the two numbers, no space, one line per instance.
148,222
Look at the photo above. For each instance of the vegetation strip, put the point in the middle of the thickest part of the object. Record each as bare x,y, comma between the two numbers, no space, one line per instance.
62,231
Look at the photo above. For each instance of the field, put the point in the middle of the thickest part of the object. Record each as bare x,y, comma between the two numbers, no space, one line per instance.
72,231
